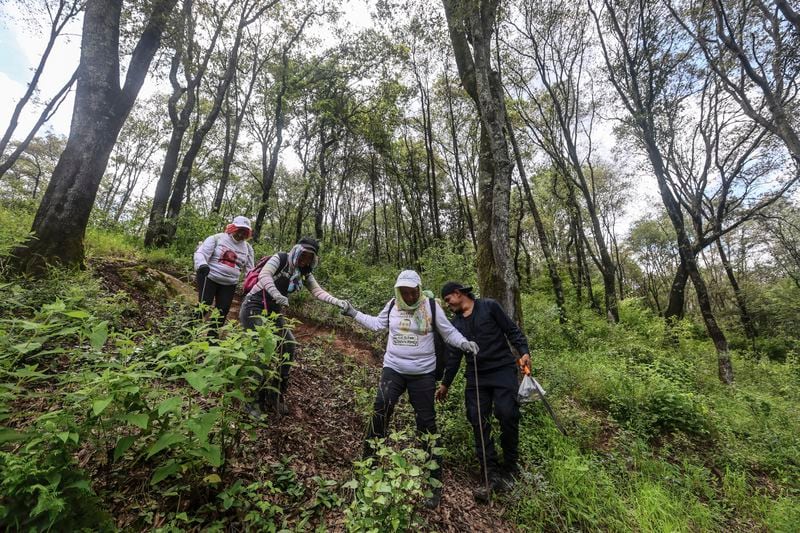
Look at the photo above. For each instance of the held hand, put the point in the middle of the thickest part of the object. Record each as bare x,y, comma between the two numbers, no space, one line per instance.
282,300
441,393
348,309
524,363
202,270
470,347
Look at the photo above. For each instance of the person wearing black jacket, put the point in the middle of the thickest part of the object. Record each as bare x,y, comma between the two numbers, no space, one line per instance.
483,321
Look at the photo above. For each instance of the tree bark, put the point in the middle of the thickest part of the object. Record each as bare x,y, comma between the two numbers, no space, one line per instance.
744,315
101,107
495,268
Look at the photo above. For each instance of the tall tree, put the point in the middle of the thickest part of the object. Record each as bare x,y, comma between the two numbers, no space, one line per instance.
101,107
471,24
643,58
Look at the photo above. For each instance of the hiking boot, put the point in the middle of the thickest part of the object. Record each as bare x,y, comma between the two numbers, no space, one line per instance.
503,483
280,406
435,499
482,495
254,410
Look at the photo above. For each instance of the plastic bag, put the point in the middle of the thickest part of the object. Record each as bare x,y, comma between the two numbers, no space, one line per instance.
527,390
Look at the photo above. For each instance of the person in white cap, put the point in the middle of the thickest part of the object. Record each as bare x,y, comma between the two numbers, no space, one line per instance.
219,261
410,359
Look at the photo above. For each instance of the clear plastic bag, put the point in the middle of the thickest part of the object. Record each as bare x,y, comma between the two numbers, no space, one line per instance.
527,390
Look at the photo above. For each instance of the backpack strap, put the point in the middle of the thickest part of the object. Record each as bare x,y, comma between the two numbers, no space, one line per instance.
283,260
432,302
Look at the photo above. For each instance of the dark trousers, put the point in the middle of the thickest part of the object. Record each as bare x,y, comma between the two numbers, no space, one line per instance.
496,392
250,315
213,293
421,389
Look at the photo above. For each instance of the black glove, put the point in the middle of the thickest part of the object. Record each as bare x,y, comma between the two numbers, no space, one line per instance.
200,277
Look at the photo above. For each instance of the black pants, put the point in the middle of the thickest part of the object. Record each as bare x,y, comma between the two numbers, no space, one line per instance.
496,389
421,389
213,293
250,315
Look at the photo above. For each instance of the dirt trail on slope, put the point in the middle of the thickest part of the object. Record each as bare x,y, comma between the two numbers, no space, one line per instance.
321,407
323,433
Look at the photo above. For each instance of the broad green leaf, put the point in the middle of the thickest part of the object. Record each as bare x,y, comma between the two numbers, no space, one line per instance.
352,485
166,440
98,406
99,335
212,478
78,313
64,436
170,404
202,424
122,446
211,453
26,347
139,420
197,381
163,472
9,435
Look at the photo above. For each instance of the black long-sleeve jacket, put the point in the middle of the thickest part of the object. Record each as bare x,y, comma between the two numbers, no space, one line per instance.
493,330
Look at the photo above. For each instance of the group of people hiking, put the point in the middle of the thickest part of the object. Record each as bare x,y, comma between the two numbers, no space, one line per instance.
480,332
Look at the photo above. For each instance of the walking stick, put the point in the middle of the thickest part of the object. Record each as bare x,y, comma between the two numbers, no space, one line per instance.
480,428
527,371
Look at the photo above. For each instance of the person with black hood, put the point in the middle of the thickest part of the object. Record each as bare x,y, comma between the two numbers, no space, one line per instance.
483,321
284,273
409,363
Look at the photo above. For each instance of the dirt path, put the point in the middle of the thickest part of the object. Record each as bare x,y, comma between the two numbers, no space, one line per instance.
322,406
323,433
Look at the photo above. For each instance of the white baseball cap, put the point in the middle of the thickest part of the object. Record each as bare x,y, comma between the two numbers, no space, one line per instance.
408,278
241,222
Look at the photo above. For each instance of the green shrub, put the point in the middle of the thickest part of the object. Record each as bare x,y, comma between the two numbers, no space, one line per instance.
387,488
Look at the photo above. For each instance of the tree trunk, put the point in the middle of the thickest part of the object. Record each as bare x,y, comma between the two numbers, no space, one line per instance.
495,269
544,243
101,107
744,315
677,294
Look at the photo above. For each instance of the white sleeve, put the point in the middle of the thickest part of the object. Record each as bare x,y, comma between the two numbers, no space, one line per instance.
375,323
447,330
204,252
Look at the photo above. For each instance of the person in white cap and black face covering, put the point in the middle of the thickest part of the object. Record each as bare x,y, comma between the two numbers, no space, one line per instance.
283,274
219,261
410,359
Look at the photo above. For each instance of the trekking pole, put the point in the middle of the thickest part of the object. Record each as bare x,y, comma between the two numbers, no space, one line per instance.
480,427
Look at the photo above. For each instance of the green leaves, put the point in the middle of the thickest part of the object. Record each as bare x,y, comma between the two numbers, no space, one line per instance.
123,445
170,405
98,406
139,420
201,425
163,472
170,438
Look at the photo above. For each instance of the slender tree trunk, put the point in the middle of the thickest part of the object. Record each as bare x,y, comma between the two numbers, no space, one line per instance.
552,269
49,110
101,107
744,315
